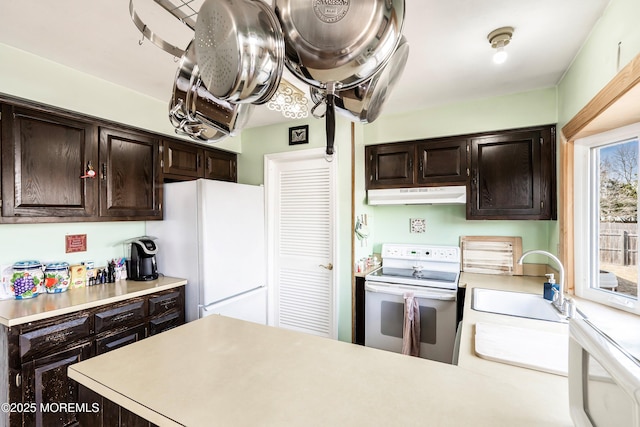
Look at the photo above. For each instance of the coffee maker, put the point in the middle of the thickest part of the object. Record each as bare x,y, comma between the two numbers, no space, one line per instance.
142,264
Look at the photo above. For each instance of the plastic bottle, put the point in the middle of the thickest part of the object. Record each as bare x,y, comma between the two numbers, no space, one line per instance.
549,286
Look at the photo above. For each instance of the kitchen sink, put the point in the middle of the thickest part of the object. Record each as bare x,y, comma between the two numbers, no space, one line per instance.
519,304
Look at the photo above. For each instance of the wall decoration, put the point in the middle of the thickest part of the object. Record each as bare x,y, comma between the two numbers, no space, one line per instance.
299,135
75,243
418,225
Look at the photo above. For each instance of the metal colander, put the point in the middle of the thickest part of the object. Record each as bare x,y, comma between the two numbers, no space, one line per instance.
239,50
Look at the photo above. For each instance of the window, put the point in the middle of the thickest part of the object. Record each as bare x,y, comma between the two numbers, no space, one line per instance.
606,217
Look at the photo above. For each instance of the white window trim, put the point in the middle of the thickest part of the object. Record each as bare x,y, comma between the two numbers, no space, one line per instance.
585,265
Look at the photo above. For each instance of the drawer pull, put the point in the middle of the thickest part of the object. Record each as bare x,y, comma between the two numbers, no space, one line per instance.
122,317
18,380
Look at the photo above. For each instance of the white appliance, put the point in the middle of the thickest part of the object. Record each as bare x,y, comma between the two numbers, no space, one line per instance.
431,273
446,195
213,234
604,379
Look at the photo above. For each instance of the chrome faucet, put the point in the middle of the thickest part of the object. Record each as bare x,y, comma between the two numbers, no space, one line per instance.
564,307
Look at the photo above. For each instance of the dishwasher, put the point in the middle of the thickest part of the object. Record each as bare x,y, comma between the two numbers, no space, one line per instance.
431,273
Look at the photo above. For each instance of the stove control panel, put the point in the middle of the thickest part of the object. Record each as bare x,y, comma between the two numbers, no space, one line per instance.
421,252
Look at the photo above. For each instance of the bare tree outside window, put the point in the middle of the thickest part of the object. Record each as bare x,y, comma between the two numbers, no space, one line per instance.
618,205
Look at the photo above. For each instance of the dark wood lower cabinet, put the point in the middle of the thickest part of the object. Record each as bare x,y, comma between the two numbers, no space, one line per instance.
37,355
47,386
107,413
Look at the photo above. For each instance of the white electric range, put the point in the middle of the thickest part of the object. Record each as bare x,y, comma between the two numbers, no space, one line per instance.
430,273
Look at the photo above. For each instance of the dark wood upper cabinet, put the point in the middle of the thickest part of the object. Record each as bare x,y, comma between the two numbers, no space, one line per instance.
47,151
509,174
43,159
442,161
389,165
420,163
184,161
220,166
130,179
513,175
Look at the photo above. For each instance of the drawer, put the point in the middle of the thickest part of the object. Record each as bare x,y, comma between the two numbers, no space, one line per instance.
166,322
133,311
166,301
119,339
59,335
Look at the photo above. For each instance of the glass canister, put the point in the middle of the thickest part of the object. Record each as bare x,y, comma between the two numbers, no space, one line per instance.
56,277
26,280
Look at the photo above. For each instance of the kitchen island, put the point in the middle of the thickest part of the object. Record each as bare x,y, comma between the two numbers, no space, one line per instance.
222,371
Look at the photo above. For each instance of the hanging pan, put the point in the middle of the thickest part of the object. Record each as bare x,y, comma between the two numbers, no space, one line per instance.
239,50
195,112
335,45
363,103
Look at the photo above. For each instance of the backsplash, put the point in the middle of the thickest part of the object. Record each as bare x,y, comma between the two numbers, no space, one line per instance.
46,242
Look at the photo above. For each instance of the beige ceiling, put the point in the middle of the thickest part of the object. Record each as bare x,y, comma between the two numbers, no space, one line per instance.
449,60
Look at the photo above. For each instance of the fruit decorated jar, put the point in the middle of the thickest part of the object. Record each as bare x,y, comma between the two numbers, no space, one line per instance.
56,277
26,280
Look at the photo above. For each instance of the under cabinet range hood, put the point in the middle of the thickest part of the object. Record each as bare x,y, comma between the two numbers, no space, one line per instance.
455,194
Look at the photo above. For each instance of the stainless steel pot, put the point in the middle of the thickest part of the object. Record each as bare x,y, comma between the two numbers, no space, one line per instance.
195,112
335,45
342,41
239,50
364,102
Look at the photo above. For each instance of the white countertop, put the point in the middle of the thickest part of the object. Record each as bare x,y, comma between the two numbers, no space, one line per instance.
16,312
224,371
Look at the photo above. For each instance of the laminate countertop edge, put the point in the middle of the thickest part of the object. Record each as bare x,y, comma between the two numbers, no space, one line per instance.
44,306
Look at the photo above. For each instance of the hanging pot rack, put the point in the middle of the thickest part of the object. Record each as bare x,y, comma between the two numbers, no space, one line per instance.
186,11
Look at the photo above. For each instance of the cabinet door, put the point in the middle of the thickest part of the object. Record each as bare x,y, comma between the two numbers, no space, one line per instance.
181,159
43,159
45,382
389,166
512,175
129,175
220,165
442,162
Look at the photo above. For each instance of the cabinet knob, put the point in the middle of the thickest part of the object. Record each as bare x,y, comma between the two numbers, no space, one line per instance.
18,380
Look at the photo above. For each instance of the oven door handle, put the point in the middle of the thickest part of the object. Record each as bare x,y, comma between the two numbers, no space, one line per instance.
393,290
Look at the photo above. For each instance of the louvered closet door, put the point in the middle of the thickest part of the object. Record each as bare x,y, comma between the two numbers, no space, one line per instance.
301,217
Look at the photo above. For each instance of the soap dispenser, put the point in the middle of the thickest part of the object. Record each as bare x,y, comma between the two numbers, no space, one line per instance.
549,286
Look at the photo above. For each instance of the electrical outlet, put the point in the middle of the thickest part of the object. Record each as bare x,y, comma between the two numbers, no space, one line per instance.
417,225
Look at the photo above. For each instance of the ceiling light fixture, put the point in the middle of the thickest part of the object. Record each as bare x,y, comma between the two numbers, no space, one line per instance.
499,39
290,101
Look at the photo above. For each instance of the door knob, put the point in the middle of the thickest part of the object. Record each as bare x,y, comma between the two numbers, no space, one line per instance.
328,266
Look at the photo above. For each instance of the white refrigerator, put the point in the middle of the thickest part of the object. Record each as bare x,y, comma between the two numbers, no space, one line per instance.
213,234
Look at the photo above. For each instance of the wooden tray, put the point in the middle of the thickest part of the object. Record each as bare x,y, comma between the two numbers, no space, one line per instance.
491,254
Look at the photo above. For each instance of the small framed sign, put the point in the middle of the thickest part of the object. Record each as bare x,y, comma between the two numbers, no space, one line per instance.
299,135
75,243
